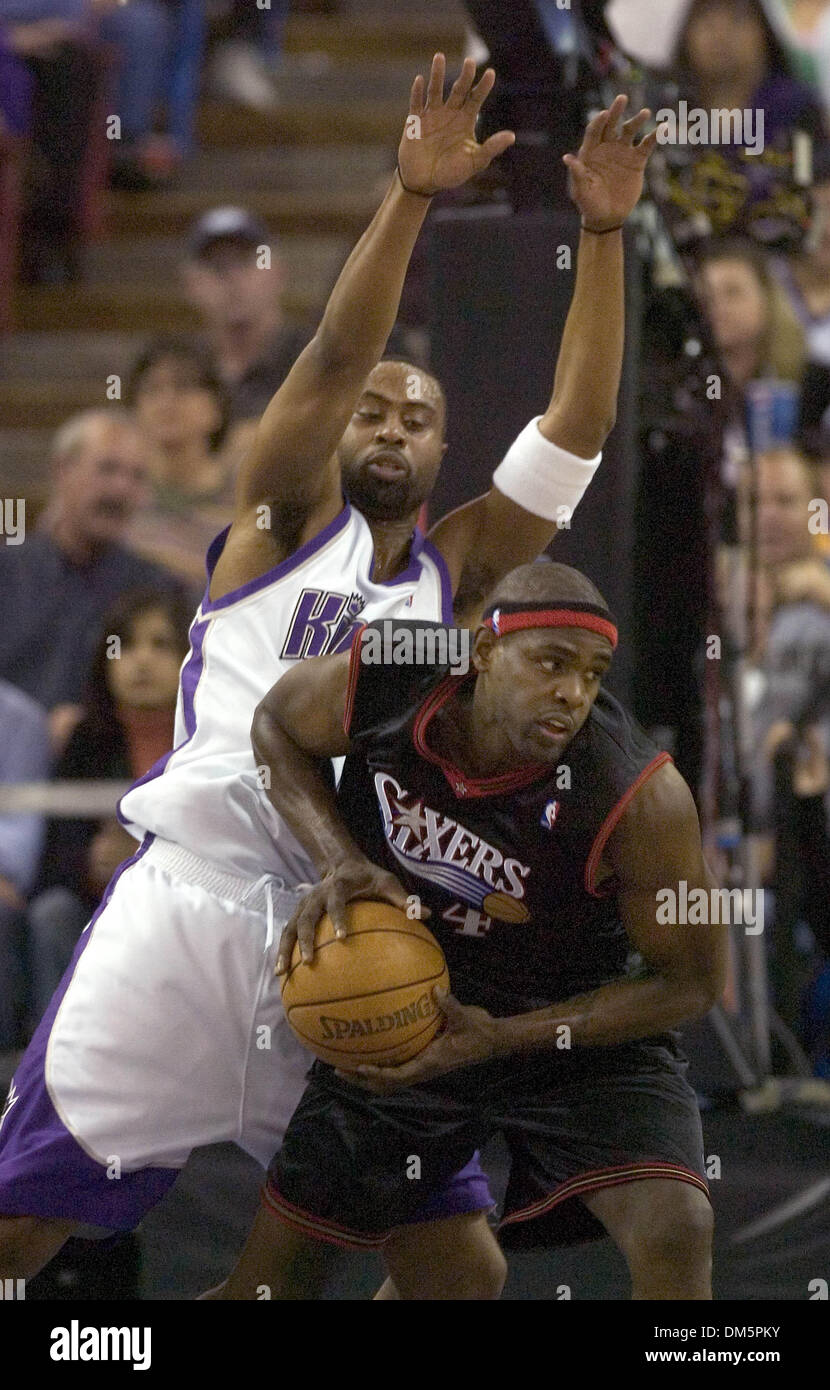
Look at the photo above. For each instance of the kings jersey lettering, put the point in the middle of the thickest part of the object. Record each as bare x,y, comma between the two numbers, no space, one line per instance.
322,622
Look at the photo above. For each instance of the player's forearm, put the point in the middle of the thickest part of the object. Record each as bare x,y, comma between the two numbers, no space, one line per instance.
300,794
363,305
615,1013
583,404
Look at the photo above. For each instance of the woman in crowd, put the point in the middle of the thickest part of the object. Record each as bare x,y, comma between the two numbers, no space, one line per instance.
181,405
752,177
127,728
808,41
754,328
729,55
805,277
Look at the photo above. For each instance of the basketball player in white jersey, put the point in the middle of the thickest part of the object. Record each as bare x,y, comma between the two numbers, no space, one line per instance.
167,1031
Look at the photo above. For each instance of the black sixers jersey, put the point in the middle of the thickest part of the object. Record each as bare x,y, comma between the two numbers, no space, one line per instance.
509,866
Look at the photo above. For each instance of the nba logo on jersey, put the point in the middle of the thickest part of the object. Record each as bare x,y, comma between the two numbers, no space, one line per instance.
549,815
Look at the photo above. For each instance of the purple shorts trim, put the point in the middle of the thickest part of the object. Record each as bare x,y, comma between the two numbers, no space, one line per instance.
467,1191
43,1170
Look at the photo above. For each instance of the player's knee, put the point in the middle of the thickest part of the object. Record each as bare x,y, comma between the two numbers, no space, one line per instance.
27,1243
479,1271
467,1264
16,1247
678,1234
492,1274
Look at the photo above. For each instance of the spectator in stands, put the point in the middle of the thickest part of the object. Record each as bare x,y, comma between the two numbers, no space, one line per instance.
806,278
56,585
181,405
756,335
754,328
24,757
794,599
234,276
246,64
16,86
819,453
727,56
126,728
48,39
786,488
789,697
160,43
808,41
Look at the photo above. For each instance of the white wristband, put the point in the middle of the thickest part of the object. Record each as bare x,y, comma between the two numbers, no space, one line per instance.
543,478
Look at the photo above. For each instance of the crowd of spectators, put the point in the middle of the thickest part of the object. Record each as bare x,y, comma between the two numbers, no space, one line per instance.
138,491
751,234
734,388
69,67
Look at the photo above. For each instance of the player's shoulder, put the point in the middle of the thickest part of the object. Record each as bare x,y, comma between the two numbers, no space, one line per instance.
658,819
396,663
618,747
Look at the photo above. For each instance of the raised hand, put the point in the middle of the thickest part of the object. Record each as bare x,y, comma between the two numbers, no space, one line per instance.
606,176
438,148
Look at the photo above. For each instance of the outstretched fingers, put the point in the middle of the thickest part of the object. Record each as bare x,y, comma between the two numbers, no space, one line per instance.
615,114
631,128
493,147
462,85
602,125
483,88
416,97
647,144
435,90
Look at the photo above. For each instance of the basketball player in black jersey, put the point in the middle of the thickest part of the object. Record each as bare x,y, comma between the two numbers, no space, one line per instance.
537,822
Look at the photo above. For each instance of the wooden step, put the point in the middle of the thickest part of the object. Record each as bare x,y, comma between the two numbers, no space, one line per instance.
46,404
285,168
35,356
170,213
395,36
310,261
352,123
24,463
129,308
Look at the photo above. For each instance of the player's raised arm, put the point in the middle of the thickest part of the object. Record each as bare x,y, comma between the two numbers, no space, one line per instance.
299,725
292,456
547,469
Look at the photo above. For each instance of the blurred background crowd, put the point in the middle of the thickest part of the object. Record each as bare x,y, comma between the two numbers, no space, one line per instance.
180,181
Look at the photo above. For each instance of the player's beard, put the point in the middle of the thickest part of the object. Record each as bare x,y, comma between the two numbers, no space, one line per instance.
382,499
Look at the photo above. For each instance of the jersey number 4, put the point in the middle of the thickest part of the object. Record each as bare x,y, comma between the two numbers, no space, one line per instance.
467,920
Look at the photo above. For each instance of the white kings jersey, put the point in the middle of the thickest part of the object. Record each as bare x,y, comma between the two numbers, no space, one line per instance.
207,795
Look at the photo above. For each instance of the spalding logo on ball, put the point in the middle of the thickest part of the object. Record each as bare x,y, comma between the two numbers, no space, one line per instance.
369,997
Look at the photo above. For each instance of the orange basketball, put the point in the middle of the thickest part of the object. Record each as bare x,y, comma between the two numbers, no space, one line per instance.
369,997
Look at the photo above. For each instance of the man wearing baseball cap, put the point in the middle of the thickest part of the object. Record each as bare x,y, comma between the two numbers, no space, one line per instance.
234,275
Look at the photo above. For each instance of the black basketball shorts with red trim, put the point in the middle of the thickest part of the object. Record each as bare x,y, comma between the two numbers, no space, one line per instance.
355,1165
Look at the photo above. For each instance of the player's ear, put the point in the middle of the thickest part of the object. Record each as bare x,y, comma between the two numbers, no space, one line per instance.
483,645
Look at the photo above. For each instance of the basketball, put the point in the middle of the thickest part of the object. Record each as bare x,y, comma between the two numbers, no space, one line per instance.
368,998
